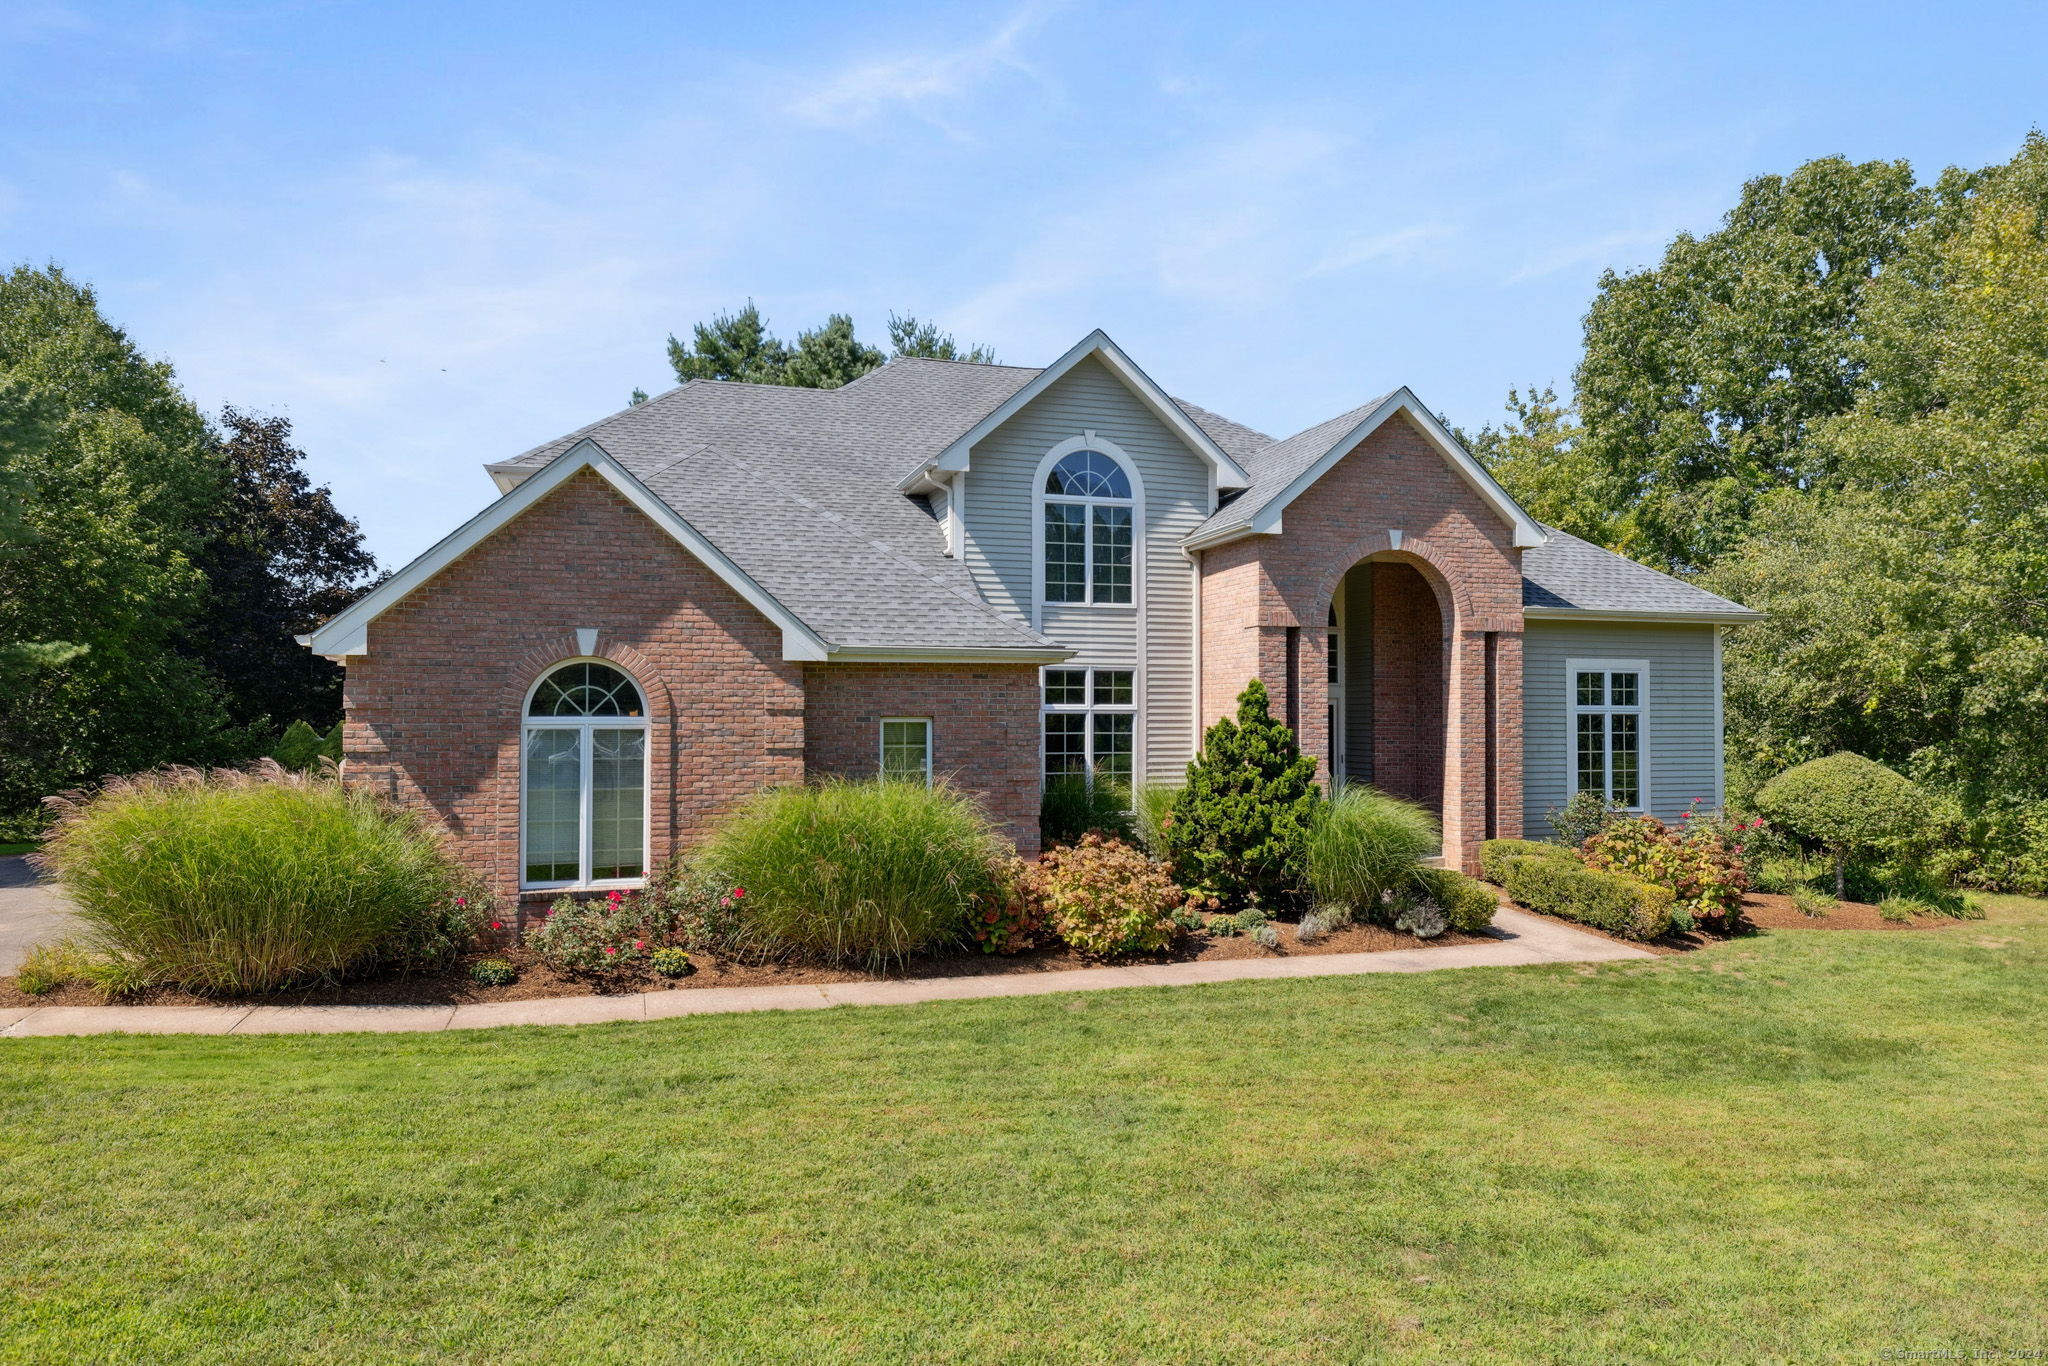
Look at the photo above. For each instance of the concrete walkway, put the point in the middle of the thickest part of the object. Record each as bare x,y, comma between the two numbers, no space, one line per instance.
31,912
1522,939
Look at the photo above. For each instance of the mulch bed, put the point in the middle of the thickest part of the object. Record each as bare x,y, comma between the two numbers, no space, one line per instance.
1766,911
536,979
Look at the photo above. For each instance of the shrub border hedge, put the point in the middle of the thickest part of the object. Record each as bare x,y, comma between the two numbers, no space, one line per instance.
1607,901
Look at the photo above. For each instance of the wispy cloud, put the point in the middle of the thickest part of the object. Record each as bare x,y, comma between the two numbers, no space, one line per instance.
920,81
1382,246
1626,249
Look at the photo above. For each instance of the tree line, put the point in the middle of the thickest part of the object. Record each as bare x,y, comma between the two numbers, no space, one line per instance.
1834,409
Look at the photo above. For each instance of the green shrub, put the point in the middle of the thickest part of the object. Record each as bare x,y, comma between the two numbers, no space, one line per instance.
493,972
1246,921
1240,825
1902,909
2000,845
1266,936
1609,901
47,967
1783,873
671,962
1496,855
1152,815
1365,844
1106,898
1584,815
1010,917
250,881
853,872
1467,904
1847,805
1072,806
1706,875
300,748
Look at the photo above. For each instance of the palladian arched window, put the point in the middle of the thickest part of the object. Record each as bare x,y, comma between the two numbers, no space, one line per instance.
1087,517
583,772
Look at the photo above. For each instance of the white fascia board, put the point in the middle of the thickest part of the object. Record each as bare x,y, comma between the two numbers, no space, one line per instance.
1527,534
1662,618
346,633
1229,474
1052,654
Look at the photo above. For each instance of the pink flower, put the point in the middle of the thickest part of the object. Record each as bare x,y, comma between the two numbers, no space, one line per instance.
609,949
462,901
639,943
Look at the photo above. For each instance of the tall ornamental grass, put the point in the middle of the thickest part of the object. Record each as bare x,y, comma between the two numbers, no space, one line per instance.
235,882
1363,844
862,873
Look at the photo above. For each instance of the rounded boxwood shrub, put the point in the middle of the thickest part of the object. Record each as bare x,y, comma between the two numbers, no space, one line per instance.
852,872
1364,844
226,881
1846,804
1467,904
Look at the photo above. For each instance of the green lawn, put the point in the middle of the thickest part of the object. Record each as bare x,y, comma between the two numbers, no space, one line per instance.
18,847
1799,1147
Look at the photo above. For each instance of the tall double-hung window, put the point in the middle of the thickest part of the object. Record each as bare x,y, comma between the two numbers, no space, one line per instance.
1091,724
1607,729
1087,509
583,779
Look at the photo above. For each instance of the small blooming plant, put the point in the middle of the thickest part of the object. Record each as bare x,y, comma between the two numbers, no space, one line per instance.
608,938
1700,860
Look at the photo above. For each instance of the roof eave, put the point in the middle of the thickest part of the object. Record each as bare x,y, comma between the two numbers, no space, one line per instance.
1049,654
1711,618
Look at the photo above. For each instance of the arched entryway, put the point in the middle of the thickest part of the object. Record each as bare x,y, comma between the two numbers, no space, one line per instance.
1388,675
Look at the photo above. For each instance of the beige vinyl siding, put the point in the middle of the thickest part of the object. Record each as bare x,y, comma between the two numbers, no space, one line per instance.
1001,506
1681,718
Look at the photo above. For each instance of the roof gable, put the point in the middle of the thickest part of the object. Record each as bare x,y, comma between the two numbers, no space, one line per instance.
1229,473
1286,469
348,631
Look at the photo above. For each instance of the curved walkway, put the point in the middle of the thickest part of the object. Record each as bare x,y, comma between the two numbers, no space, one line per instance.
1521,939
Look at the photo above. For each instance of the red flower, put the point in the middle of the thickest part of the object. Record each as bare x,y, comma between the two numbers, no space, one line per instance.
462,901
639,943
497,924
738,892
609,949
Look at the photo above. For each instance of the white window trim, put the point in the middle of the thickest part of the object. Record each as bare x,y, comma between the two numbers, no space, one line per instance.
1087,441
583,817
882,743
1091,708
1572,711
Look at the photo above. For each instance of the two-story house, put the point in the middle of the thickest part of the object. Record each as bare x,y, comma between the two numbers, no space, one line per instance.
999,574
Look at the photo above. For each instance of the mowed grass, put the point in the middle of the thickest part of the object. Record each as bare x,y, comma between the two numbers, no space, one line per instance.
1799,1147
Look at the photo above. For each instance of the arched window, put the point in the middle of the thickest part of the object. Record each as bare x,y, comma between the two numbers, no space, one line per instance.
583,772
1087,519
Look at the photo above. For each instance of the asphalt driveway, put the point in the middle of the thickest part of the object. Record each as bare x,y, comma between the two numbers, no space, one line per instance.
31,912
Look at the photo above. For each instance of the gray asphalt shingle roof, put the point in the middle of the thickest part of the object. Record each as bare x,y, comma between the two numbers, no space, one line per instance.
799,488
1566,572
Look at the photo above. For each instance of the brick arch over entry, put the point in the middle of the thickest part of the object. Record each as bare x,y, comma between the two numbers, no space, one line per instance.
1265,600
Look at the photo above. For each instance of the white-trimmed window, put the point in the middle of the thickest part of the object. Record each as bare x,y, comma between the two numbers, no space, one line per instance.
1087,510
583,779
907,748
1091,724
1608,740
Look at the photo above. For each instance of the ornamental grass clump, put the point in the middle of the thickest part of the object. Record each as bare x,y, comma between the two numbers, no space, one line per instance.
864,873
228,881
1364,844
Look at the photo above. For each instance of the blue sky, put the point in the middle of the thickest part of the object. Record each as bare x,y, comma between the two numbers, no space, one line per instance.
434,235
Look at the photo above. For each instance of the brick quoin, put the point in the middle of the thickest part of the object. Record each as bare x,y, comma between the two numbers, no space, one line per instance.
434,709
984,729
1256,588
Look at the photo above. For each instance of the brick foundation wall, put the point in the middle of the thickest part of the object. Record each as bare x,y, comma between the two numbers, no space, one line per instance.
1256,588
434,709
984,729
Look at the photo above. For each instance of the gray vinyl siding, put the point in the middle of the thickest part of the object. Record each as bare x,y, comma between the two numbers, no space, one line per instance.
1001,505
1680,719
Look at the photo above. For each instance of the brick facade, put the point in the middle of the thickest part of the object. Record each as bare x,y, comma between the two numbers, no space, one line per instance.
984,729
1259,593
434,709
1408,698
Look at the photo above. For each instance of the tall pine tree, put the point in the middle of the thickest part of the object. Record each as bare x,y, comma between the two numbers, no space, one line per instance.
1240,825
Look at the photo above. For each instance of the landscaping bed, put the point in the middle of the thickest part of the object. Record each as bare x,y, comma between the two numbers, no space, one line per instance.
1762,911
453,984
